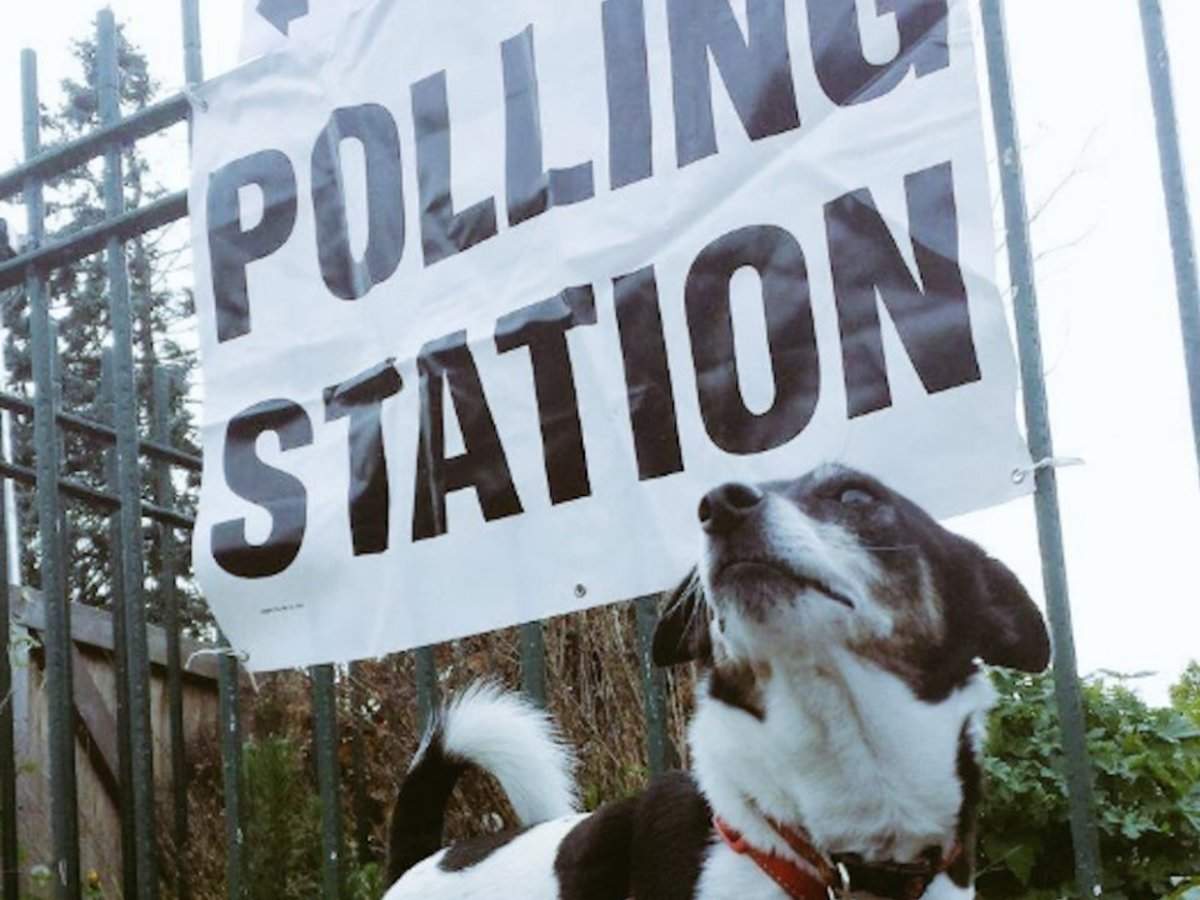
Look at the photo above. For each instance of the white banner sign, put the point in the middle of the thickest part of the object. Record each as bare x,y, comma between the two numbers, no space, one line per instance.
492,293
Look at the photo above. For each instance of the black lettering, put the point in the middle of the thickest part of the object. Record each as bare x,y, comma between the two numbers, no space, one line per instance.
933,322
531,189
791,336
757,71
843,71
443,231
373,127
361,398
483,465
278,492
647,376
543,329
627,70
231,248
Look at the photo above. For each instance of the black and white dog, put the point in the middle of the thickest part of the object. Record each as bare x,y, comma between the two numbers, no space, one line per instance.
836,731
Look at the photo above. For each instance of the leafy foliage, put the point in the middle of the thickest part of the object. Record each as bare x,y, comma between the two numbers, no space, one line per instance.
1147,788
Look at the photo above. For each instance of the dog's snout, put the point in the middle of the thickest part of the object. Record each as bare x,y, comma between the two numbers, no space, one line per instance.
722,510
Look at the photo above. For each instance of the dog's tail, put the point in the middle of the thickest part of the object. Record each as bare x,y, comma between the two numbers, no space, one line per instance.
500,733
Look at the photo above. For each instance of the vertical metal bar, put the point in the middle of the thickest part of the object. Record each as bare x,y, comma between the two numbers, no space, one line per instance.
358,760
104,407
64,522
164,496
533,662
325,716
231,768
9,860
1179,219
64,817
427,686
227,672
128,472
193,55
1037,420
659,751
10,571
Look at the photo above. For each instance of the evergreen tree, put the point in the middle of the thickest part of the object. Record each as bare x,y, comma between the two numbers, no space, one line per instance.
79,306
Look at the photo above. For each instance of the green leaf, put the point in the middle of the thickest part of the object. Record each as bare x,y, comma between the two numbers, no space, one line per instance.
1020,862
1179,728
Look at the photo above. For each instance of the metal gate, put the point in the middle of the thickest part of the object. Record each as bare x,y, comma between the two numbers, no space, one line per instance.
113,428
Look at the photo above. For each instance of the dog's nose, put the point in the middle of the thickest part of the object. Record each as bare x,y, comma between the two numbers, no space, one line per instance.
722,510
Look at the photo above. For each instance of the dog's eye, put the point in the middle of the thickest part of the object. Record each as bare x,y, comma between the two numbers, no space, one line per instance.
855,496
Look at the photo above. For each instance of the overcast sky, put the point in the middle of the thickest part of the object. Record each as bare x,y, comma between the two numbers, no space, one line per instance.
1109,314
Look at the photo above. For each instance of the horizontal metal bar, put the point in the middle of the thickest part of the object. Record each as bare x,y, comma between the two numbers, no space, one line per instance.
81,424
164,211
109,502
62,159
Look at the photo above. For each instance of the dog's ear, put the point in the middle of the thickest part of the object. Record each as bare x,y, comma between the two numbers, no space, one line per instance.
1012,632
682,632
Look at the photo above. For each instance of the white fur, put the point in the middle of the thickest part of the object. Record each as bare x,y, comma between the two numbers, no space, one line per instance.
523,868
516,742
729,876
870,768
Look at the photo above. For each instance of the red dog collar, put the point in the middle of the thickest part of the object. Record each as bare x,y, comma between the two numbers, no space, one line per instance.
813,882
822,879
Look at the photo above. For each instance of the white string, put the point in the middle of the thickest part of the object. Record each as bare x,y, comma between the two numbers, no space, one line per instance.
195,99
1050,462
240,655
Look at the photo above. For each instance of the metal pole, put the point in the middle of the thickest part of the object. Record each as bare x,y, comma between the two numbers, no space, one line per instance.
193,52
358,760
325,716
1037,420
104,408
231,766
533,662
128,472
64,519
1179,219
64,818
227,672
9,859
164,496
10,571
659,750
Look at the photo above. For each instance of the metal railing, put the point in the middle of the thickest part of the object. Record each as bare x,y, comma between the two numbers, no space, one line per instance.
114,428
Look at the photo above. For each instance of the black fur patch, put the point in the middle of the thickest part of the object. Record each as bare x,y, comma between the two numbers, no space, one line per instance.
649,846
420,811
682,632
737,685
593,861
671,832
471,852
962,872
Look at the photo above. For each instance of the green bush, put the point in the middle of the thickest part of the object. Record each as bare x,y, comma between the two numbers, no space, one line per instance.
1147,788
282,823
282,829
